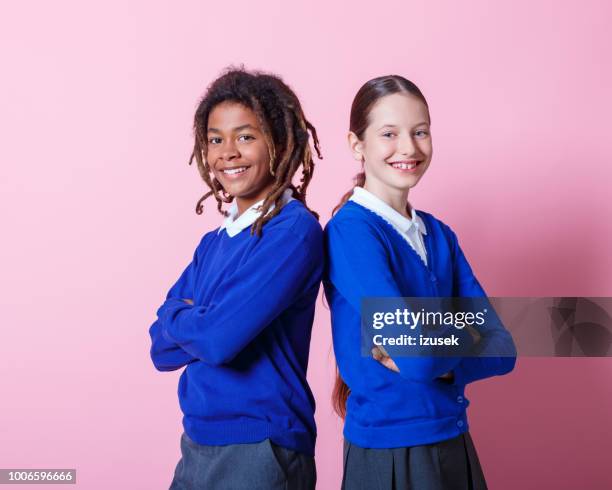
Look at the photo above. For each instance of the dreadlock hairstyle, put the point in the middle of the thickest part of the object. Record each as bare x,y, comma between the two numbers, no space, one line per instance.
286,132
369,93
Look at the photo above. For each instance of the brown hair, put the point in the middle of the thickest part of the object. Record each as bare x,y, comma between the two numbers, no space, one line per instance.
369,93
285,129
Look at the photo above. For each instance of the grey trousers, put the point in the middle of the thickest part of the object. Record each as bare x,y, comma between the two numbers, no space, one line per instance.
259,466
447,465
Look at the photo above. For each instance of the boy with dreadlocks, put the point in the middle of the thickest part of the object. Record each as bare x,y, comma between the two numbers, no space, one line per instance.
240,316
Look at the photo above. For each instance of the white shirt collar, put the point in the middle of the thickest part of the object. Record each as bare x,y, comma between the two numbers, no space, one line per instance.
234,225
381,208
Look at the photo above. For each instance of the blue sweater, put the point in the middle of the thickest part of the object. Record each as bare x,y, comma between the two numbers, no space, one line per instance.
368,257
246,339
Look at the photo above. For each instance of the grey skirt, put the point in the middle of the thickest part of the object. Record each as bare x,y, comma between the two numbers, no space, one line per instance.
448,465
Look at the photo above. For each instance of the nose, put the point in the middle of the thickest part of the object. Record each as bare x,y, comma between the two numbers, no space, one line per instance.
406,145
229,151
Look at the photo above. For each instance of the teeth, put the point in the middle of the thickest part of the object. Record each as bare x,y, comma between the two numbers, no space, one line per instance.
404,166
232,171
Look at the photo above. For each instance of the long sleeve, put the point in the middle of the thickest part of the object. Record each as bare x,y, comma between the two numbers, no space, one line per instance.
359,267
167,355
495,354
279,269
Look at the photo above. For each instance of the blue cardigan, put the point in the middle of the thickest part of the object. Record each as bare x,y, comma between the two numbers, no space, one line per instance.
366,257
245,340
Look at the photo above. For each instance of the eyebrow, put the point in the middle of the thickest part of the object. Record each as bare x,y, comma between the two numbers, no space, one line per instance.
238,128
395,126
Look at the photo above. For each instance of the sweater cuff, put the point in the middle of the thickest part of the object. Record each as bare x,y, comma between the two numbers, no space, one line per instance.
167,314
459,375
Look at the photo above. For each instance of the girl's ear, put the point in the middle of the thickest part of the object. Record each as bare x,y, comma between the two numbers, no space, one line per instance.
356,146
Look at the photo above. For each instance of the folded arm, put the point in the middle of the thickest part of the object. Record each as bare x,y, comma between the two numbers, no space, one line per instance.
359,267
281,267
167,355
495,354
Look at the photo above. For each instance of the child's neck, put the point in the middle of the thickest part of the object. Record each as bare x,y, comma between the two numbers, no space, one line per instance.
245,202
396,198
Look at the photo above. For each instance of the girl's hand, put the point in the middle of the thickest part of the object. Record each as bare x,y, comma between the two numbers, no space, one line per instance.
188,301
384,360
474,333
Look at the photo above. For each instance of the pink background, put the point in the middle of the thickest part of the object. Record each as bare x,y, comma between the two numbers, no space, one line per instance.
97,203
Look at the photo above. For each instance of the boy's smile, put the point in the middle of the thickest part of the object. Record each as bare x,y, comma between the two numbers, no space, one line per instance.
238,153
234,172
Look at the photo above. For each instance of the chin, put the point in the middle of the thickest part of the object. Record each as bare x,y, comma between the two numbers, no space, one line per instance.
408,181
404,184
232,188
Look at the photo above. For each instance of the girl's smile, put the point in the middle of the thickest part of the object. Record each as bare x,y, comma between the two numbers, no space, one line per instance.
406,165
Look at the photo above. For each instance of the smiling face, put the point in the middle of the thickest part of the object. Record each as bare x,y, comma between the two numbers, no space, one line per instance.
238,154
396,147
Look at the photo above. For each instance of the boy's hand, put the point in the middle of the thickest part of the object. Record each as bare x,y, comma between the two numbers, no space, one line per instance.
188,301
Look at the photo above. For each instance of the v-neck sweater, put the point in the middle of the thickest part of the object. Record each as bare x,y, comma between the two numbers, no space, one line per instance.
245,340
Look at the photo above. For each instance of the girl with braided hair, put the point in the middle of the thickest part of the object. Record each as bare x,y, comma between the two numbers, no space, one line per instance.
239,318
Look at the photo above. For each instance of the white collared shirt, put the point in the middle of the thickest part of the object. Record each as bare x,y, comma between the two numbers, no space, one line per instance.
411,229
233,225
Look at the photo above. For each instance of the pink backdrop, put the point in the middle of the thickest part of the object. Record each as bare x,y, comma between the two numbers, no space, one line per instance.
98,205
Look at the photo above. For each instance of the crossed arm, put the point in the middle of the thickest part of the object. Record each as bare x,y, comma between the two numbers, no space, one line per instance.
281,267
360,268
